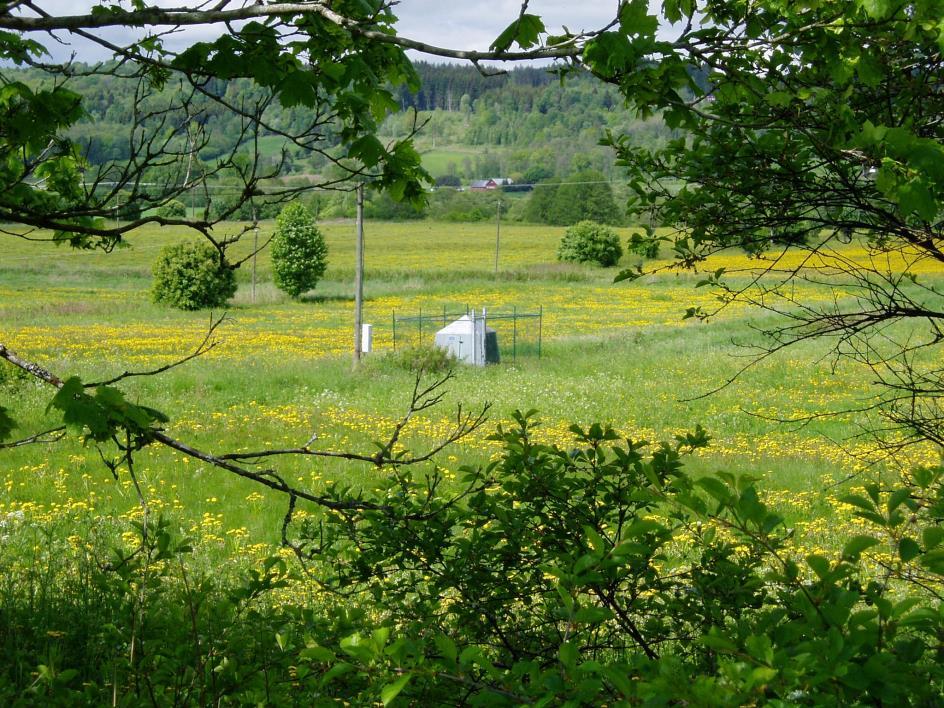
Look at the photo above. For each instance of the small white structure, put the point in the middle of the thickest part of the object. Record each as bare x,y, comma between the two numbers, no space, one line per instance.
465,338
367,338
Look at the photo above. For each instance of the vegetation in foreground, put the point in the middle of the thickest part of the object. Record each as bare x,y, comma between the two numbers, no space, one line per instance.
208,606
596,574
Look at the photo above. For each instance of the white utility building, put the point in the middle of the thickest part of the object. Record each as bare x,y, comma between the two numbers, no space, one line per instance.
470,340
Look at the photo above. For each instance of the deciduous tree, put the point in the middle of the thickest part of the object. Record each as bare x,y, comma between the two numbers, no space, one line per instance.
804,126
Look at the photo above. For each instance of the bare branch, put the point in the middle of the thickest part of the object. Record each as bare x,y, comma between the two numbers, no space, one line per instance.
181,17
421,399
29,367
202,348
47,436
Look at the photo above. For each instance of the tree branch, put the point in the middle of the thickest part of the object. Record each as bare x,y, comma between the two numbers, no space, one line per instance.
181,17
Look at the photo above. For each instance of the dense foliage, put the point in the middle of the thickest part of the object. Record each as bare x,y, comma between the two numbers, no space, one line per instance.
819,123
192,276
590,242
584,195
299,253
599,574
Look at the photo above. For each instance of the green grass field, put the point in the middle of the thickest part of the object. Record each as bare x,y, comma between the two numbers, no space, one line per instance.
437,159
616,353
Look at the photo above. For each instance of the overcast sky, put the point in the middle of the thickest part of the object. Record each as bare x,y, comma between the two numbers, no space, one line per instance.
456,24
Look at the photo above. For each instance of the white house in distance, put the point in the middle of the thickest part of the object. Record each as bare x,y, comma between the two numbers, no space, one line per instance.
467,339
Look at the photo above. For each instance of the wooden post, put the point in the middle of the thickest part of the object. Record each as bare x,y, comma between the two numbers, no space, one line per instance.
359,277
255,250
514,334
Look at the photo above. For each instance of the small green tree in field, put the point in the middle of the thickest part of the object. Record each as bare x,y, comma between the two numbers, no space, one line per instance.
299,253
174,209
192,276
590,242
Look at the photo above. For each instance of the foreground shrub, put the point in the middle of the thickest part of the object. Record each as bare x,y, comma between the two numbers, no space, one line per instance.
590,242
191,276
604,574
299,253
425,358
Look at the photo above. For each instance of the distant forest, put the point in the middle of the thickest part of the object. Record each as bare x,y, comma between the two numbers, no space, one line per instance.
525,124
444,86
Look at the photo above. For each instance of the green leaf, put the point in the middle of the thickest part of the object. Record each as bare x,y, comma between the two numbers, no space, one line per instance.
80,412
672,10
641,528
368,149
594,539
908,549
628,274
568,655
317,653
870,69
876,9
914,197
717,642
715,488
337,670
926,617
857,501
592,615
760,647
896,498
298,88
932,536
934,561
634,19
819,564
524,32
355,645
392,690
856,545
447,647
779,99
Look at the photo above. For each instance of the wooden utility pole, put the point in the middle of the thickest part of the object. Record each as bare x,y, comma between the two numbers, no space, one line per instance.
359,277
255,250
497,234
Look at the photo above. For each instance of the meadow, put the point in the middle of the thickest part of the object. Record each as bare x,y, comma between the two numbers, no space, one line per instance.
617,353
208,607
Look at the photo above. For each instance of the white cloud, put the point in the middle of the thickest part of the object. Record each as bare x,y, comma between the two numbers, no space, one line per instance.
469,25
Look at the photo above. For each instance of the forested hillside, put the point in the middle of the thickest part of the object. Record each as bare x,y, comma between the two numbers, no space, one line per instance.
525,124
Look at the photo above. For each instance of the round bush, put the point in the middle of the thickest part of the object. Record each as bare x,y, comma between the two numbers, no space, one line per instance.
190,276
590,242
299,253
173,209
